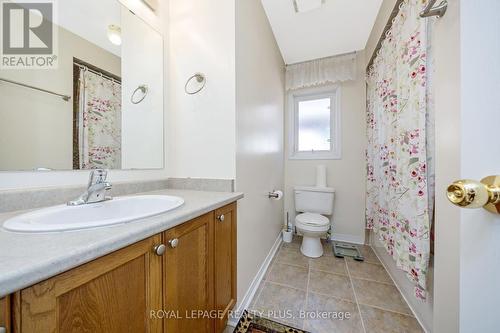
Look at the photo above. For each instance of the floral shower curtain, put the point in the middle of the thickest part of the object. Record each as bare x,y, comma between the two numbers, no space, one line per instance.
399,150
99,121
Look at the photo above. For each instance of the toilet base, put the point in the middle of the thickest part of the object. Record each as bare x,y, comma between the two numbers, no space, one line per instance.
311,247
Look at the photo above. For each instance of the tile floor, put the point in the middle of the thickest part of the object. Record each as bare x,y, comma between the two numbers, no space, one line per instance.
295,285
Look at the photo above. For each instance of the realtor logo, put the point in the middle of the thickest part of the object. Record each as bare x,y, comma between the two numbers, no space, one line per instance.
28,35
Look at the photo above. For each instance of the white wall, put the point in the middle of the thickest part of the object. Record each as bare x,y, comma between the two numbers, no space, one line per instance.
447,217
201,133
15,180
346,175
259,130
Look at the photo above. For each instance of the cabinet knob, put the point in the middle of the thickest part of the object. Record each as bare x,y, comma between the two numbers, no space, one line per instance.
173,243
221,217
159,249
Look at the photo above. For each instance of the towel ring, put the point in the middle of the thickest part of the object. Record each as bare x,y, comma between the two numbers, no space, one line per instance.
200,78
142,88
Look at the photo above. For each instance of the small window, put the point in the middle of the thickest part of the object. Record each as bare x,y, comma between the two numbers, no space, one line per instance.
314,124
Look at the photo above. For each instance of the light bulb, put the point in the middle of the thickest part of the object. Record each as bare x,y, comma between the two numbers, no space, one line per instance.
115,34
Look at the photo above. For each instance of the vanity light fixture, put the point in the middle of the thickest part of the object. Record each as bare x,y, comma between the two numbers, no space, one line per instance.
302,6
115,34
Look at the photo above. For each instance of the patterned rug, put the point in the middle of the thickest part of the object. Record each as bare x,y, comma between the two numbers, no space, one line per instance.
251,323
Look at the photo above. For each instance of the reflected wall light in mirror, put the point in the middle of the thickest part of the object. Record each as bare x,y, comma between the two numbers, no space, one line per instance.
115,34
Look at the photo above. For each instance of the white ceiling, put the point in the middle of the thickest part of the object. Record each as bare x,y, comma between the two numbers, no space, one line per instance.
90,19
337,27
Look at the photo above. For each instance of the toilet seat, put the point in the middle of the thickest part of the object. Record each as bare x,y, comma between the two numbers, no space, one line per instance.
312,227
312,221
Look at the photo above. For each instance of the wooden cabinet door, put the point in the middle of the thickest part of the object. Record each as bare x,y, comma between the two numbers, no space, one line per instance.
225,262
188,276
5,314
114,293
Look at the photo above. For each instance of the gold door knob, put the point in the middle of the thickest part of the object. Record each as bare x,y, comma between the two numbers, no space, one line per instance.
468,193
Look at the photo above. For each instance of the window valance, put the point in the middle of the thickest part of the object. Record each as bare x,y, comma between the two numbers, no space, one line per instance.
321,71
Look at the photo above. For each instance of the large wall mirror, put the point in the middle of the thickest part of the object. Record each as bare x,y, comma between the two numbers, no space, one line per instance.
101,107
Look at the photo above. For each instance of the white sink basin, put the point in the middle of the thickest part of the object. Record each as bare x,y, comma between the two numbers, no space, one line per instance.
118,210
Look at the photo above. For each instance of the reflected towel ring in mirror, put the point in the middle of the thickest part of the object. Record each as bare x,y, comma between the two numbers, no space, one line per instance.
143,88
200,81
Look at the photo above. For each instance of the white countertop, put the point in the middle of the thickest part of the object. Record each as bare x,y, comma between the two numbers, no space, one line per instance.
26,258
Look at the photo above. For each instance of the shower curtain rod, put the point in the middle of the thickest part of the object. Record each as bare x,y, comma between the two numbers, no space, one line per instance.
387,27
428,11
97,72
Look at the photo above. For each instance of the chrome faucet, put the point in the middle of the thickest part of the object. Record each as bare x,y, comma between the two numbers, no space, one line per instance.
96,189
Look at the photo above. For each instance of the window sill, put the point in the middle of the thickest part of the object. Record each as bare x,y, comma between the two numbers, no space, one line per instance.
315,156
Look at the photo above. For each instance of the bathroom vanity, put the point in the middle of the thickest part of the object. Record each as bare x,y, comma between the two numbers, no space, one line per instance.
179,279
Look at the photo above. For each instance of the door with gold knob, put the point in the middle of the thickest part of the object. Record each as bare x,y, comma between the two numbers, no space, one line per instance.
465,84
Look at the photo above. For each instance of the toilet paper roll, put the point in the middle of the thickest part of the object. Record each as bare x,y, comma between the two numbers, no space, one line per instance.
277,195
321,175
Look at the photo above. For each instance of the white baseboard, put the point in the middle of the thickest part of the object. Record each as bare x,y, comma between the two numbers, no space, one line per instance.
348,238
249,295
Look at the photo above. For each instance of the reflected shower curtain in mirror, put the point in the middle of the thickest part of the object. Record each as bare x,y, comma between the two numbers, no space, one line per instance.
398,151
99,121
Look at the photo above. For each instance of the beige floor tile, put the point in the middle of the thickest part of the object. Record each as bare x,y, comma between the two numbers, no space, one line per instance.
380,295
330,306
369,255
329,264
282,304
229,329
327,248
369,271
292,256
282,294
331,285
379,321
295,244
293,276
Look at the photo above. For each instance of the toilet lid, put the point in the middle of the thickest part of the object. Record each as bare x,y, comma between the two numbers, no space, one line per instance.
312,219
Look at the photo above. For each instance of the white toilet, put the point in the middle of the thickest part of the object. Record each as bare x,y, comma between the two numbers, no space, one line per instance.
313,203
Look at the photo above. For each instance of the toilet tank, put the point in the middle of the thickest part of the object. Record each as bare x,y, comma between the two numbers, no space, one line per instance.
314,199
